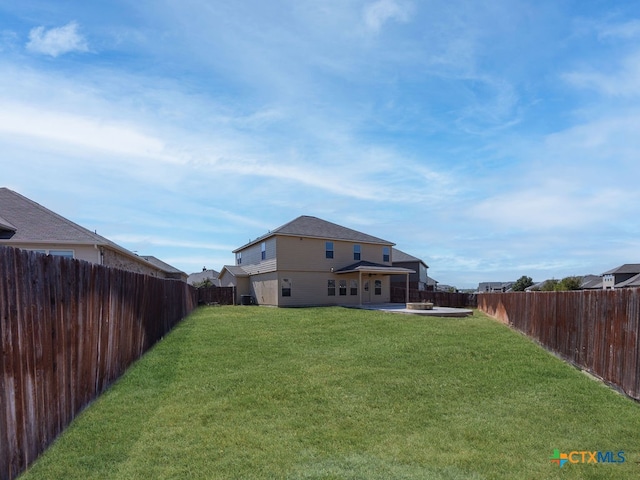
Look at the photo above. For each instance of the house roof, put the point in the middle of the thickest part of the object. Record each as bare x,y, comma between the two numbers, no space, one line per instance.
313,227
202,276
626,268
398,256
234,270
631,282
30,223
371,267
33,223
6,225
161,265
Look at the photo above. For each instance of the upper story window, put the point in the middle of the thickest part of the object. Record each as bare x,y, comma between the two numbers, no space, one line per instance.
238,258
386,256
263,251
328,248
356,252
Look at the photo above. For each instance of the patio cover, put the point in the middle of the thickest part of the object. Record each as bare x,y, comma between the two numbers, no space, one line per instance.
364,267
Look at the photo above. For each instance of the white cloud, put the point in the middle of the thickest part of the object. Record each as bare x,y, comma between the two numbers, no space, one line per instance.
380,12
57,41
623,82
84,132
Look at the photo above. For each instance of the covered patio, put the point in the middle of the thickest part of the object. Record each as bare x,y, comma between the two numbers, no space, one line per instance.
369,269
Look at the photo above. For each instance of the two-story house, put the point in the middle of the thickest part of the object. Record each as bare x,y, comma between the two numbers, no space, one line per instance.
627,275
310,261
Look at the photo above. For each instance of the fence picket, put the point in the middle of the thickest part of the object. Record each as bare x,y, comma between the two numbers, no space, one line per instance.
68,329
595,330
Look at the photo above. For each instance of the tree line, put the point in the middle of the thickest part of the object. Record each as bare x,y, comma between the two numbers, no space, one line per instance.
553,285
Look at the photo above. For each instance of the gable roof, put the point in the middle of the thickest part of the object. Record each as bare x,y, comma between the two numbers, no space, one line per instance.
33,223
371,267
313,227
623,269
398,256
631,282
234,270
28,222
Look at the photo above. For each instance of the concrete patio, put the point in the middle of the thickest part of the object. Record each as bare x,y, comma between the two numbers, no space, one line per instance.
402,308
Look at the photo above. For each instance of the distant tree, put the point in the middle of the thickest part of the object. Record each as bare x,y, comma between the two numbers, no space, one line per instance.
569,283
549,285
522,283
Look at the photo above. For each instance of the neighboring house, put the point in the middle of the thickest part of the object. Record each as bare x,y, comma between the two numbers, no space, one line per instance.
28,225
418,280
627,275
591,282
310,261
199,277
494,287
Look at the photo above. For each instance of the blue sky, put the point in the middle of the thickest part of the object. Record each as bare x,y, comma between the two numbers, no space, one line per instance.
492,139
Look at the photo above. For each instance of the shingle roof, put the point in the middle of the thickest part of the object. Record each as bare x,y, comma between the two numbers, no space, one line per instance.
234,270
34,223
398,256
626,268
631,282
161,265
307,226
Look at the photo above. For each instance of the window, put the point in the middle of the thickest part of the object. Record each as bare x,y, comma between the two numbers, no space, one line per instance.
286,287
377,287
62,253
238,258
385,254
57,253
356,252
354,287
328,247
263,249
331,288
343,287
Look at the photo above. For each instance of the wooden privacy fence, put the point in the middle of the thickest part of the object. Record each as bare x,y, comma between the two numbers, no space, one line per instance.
596,330
441,299
219,295
68,329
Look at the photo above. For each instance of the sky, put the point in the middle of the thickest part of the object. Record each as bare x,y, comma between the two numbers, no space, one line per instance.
491,139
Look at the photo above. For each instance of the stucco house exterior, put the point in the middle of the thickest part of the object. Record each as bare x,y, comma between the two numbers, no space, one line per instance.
310,261
28,225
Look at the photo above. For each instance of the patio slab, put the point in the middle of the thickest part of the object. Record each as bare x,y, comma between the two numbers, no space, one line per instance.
402,308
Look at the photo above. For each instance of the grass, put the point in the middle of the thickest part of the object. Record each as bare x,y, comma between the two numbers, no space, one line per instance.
333,393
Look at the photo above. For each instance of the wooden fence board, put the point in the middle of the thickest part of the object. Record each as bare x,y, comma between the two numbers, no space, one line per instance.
595,330
68,329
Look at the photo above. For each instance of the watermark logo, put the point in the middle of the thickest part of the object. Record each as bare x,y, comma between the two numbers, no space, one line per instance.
584,456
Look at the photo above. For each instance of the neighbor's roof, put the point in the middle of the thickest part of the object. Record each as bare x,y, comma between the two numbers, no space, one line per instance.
202,276
34,223
631,282
626,268
161,265
234,270
313,227
398,256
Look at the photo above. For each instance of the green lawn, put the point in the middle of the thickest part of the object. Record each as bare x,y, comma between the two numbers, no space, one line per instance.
334,393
